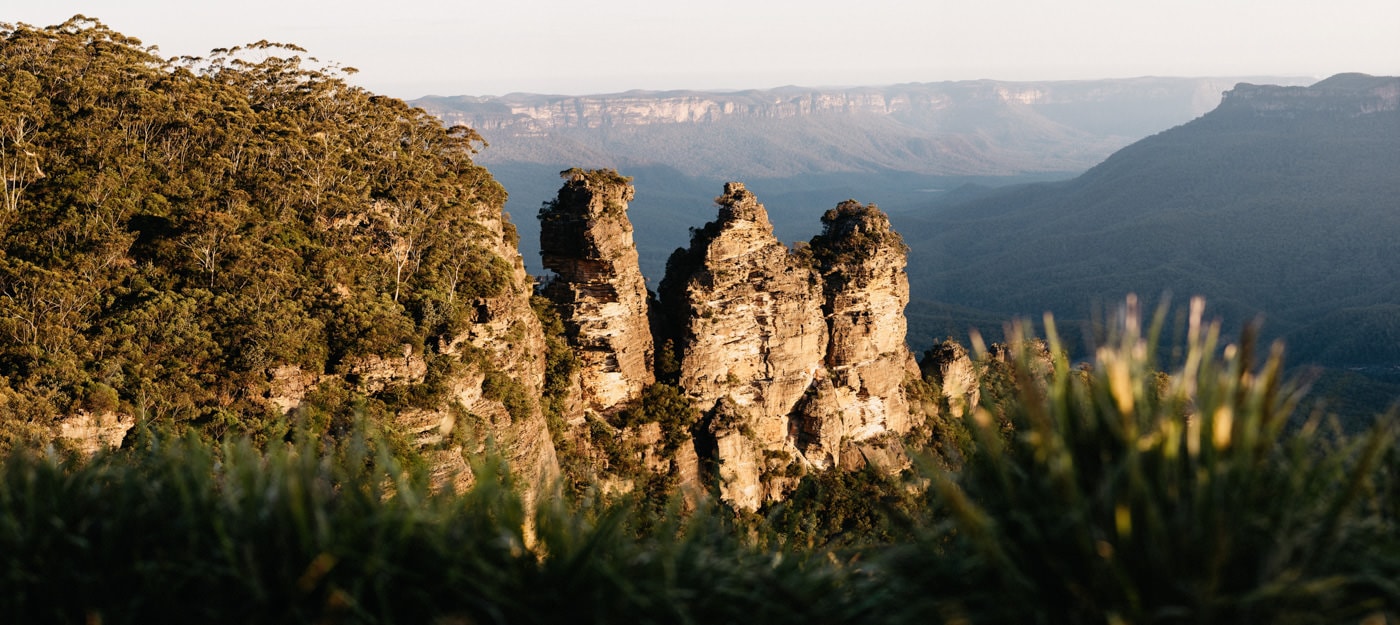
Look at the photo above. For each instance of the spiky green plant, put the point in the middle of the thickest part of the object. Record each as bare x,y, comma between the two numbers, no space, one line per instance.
182,531
1129,496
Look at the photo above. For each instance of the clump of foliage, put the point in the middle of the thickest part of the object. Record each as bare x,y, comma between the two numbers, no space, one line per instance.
174,229
1125,496
667,406
188,531
574,197
846,510
852,232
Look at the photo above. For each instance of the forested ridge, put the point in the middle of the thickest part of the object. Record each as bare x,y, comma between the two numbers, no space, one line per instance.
175,228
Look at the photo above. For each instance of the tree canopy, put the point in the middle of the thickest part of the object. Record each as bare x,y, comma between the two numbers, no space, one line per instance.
172,230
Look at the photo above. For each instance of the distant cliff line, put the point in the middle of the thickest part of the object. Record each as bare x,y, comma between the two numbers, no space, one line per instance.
530,112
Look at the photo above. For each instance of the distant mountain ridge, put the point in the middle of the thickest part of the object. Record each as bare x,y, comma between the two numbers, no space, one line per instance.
801,149
1283,201
982,127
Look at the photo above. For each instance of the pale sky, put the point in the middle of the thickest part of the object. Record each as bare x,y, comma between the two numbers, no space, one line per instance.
411,48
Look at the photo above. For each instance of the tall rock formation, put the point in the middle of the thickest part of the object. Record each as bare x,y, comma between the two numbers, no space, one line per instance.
861,261
746,315
795,358
586,240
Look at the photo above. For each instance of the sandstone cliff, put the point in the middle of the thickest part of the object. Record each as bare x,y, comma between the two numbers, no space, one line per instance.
796,356
503,349
861,260
586,240
747,321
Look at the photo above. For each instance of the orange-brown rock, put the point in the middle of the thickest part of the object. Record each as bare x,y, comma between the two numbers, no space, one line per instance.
861,261
746,314
586,240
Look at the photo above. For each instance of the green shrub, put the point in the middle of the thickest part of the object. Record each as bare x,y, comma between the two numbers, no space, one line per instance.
1125,498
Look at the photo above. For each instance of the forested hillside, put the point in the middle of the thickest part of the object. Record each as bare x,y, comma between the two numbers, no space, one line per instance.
1284,202
175,232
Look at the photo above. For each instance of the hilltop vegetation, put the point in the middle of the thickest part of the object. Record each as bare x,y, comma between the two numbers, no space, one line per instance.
174,229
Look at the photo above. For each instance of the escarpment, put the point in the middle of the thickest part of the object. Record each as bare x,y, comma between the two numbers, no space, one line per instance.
586,240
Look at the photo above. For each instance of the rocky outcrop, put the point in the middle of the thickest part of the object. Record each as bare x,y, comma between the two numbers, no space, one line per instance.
752,328
1343,94
747,319
861,261
586,240
950,367
797,356
91,432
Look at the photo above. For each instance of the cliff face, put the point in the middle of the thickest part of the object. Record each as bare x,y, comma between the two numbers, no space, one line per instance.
504,347
525,114
753,330
586,240
750,331
796,356
1343,94
861,260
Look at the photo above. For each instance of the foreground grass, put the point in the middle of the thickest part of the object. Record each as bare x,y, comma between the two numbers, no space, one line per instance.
1120,495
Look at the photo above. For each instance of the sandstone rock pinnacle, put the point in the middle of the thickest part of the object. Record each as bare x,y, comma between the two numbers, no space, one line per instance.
586,240
746,314
861,261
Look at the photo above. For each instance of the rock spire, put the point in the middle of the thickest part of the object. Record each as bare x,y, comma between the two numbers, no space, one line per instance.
586,240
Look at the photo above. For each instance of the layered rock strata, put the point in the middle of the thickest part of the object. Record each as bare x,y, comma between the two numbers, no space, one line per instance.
797,356
747,319
861,261
586,240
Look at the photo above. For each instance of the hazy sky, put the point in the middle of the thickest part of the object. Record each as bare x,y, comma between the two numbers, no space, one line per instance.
409,48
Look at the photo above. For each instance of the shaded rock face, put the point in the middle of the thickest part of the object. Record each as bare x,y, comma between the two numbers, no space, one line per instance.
586,240
792,354
949,365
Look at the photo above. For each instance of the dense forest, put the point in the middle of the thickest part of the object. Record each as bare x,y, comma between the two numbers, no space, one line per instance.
174,229
175,232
